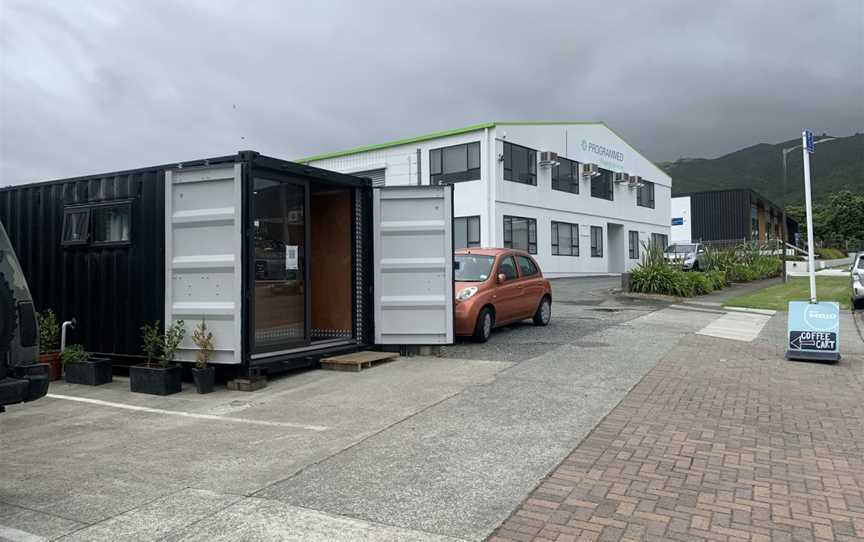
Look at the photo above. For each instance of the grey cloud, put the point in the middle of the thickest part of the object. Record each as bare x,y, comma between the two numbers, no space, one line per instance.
99,85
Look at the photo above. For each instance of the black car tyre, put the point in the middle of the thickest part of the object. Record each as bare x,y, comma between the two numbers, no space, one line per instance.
544,312
484,325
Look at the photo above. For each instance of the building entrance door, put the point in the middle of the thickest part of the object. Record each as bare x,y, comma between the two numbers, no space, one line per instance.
281,264
616,247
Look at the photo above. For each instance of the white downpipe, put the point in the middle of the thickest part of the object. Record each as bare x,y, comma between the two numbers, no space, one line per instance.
66,324
809,205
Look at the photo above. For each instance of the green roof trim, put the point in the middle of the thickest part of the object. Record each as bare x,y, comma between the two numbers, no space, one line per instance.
465,130
397,142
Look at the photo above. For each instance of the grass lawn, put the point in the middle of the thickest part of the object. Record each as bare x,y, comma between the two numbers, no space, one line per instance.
797,289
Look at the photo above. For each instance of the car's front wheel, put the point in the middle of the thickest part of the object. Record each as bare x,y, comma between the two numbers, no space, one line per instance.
484,325
544,312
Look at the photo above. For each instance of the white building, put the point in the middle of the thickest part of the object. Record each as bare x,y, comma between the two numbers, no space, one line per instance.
574,194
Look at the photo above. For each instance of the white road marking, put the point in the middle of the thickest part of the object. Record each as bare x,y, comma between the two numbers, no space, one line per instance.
737,326
187,414
15,535
766,312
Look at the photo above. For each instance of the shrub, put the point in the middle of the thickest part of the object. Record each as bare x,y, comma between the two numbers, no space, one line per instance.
654,276
161,346
718,279
74,353
830,253
49,331
203,339
700,284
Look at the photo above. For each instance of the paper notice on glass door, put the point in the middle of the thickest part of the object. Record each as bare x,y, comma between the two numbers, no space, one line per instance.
291,257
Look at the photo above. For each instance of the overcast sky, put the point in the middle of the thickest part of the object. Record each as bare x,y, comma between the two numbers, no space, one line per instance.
94,86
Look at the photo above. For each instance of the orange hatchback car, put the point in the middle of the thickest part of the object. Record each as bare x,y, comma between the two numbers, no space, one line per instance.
498,286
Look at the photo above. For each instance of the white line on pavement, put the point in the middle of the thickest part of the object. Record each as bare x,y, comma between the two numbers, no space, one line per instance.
8,533
187,414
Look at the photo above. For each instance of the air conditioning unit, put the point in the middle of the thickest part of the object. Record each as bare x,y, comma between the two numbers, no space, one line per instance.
620,177
548,159
589,171
635,182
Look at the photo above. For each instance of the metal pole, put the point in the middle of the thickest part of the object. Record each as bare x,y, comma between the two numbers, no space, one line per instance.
784,233
809,210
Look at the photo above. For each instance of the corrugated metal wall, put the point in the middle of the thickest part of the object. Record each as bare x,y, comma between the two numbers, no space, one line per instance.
112,291
721,215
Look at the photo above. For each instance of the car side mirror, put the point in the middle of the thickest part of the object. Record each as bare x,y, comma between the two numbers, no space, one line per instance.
502,278
457,266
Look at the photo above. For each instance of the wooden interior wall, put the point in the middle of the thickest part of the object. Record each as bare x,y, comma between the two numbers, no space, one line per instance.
331,265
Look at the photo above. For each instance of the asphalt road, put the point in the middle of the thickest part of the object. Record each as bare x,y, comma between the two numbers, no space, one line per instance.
437,448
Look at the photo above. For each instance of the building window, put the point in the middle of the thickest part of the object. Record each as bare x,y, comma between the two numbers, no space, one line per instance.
596,241
97,224
520,233
466,231
520,164
633,247
565,176
601,185
527,267
565,239
455,164
645,195
659,240
76,225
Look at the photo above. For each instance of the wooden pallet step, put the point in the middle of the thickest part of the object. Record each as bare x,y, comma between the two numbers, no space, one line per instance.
357,361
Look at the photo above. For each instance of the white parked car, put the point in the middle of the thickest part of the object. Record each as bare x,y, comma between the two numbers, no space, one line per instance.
690,256
857,281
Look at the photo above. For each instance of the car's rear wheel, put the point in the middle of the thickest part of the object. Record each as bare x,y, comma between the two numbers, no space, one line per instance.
484,325
858,304
544,312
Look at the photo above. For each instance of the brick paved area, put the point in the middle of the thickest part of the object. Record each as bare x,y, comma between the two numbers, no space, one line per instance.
722,441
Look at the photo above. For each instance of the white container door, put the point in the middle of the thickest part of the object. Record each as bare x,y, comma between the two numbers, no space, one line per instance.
413,264
203,239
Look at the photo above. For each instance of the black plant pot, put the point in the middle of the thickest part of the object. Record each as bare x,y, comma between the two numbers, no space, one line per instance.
204,378
155,380
92,372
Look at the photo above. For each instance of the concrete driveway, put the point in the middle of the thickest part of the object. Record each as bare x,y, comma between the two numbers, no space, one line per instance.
419,449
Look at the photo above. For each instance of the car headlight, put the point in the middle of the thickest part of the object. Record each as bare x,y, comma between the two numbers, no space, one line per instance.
466,293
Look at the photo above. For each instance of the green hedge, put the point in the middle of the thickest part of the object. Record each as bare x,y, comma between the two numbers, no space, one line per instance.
654,276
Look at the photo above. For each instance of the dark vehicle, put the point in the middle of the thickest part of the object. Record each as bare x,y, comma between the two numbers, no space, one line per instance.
22,379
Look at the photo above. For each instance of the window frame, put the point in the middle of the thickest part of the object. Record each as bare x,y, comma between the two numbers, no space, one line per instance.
661,236
597,248
605,174
88,209
468,174
575,175
507,224
633,247
555,229
508,159
531,262
640,197
500,263
469,243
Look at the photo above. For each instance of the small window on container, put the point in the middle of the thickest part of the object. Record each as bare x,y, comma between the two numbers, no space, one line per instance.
111,224
76,225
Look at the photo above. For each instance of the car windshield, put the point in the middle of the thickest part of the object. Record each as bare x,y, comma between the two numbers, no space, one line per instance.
473,267
680,249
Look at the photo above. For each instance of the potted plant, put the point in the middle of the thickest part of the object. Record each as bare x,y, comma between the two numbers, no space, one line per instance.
49,343
79,367
203,374
159,376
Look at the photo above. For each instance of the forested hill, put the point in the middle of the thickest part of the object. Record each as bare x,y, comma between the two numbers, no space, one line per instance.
836,165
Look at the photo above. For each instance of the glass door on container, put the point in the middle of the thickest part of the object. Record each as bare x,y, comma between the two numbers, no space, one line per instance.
279,222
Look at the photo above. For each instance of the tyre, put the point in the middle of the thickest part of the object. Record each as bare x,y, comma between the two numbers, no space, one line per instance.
8,317
484,325
696,266
544,312
858,304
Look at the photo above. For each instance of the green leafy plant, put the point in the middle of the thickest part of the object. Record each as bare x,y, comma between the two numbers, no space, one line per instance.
173,336
151,339
161,346
49,331
203,339
74,353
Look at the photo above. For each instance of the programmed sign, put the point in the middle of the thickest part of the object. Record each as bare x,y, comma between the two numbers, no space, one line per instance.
813,331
